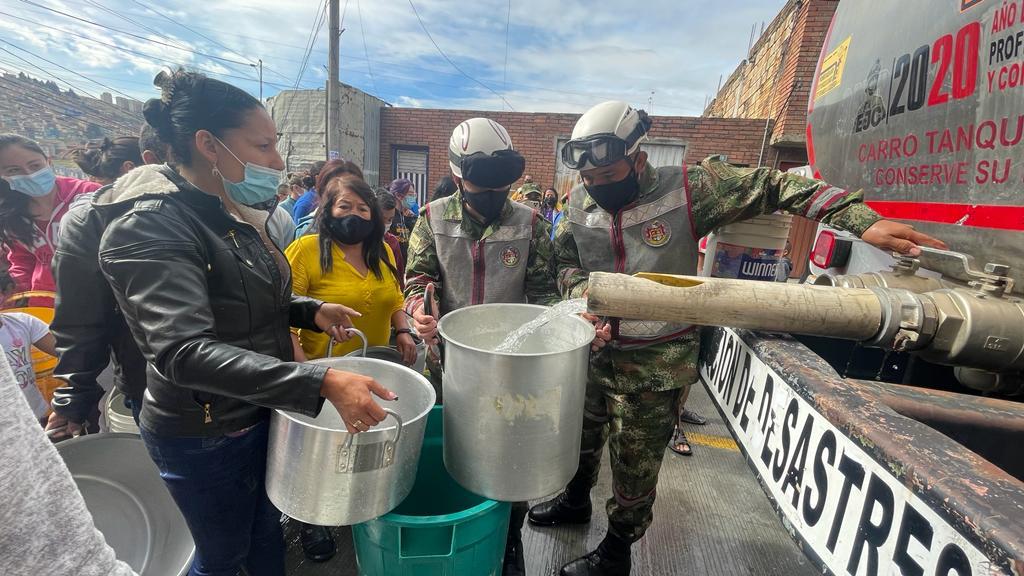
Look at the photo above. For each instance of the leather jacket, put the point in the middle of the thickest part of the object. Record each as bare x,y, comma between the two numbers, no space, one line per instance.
87,324
210,307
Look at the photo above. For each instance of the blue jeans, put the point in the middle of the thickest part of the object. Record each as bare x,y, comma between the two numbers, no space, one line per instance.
218,484
135,407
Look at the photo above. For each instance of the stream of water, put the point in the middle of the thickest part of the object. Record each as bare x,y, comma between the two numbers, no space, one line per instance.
514,341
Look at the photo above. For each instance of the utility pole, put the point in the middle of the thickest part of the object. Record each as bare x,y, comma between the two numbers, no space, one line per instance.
333,104
259,68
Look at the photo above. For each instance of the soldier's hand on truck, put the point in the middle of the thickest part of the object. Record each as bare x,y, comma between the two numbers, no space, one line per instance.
603,333
351,395
898,237
334,319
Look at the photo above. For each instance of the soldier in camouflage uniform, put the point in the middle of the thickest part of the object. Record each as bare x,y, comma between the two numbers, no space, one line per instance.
629,217
479,247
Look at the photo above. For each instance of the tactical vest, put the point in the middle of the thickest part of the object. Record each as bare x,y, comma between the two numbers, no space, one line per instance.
653,236
487,271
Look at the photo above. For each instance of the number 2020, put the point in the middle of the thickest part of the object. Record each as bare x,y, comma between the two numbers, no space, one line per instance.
911,72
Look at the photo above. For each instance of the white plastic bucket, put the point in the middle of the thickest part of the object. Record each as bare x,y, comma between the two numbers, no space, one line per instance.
748,250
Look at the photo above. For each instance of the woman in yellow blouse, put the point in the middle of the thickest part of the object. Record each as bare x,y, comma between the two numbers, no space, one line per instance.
347,262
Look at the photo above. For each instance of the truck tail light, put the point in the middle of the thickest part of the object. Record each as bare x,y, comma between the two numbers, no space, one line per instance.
830,251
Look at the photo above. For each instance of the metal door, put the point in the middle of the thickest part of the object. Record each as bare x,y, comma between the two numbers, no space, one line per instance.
411,163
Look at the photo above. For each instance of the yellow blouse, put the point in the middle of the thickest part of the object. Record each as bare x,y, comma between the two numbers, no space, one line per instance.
375,299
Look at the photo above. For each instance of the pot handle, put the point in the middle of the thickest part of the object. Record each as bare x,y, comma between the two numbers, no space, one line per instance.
357,332
346,454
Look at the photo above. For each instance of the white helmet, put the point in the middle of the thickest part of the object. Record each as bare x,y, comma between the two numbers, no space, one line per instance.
604,135
480,150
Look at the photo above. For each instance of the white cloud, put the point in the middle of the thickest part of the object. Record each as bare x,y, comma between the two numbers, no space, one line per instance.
562,56
409,102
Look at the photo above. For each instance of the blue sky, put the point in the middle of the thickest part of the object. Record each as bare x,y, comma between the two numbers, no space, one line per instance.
562,56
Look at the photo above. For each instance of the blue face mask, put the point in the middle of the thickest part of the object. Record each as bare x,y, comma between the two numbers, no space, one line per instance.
410,201
36,184
258,186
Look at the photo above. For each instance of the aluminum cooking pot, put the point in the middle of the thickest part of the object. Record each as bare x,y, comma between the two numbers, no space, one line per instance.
513,421
320,474
391,354
129,502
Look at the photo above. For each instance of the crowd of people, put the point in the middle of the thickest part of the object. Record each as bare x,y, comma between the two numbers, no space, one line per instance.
207,276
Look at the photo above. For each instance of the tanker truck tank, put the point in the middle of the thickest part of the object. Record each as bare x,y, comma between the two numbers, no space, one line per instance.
927,122
920,104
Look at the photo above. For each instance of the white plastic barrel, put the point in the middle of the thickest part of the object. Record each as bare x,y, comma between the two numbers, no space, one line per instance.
748,250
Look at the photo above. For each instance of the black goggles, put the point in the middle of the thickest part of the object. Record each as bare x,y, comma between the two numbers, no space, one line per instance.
494,171
603,149
599,150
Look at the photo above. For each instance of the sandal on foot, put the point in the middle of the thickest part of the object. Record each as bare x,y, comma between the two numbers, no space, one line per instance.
680,444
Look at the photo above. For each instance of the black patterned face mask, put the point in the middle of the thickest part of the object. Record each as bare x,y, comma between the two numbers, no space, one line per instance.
488,203
351,229
614,196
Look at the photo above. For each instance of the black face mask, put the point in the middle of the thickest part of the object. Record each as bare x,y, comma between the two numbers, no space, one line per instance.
350,229
616,195
550,202
488,203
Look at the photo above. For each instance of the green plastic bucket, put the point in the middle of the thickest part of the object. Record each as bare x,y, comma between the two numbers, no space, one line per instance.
440,529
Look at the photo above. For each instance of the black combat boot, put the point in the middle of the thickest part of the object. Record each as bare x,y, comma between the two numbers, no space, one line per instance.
612,558
317,542
570,507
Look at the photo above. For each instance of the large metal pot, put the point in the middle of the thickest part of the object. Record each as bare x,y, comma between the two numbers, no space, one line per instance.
129,502
320,474
390,353
513,421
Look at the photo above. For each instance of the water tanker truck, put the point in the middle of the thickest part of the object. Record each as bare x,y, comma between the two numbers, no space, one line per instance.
886,425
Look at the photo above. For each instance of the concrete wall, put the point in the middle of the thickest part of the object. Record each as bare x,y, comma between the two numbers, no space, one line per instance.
301,118
535,135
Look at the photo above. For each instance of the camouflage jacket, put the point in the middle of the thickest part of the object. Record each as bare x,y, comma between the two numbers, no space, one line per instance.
719,194
423,265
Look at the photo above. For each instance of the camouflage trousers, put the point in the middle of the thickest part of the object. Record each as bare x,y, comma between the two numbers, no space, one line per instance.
632,405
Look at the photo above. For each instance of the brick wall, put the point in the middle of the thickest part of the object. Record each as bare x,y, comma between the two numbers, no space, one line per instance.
535,136
775,81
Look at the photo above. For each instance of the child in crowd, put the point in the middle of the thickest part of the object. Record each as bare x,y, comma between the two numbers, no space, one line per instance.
19,332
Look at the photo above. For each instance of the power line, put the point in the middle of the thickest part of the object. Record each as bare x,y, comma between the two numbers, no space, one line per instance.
318,23
376,63
158,33
208,39
126,33
143,54
508,20
84,77
445,56
51,74
366,52
47,101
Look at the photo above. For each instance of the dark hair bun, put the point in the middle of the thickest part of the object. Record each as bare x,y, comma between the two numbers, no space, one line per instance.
90,158
189,102
158,115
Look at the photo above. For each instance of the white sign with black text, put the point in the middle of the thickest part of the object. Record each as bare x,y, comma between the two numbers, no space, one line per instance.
850,510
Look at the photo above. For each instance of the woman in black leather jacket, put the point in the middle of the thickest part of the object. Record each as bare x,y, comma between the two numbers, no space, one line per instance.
208,299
